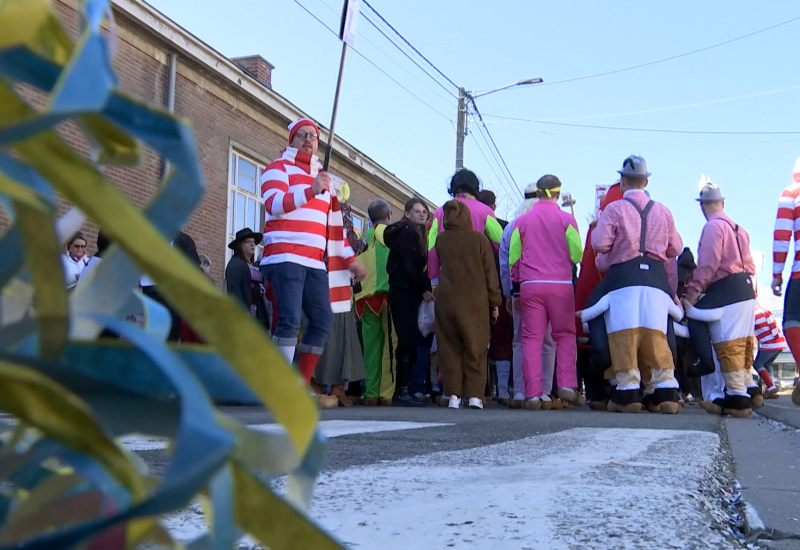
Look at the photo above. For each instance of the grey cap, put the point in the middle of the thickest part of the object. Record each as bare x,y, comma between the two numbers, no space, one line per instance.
634,167
710,193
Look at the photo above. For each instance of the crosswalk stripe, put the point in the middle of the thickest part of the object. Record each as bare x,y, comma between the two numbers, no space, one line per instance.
583,487
577,488
331,428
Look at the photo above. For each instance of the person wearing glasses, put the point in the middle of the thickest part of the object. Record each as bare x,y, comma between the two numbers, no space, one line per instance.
74,259
306,257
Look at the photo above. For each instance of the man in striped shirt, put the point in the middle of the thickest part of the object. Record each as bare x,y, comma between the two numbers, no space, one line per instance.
786,226
770,345
303,231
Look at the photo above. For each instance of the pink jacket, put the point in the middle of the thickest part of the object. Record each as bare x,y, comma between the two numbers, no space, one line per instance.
545,243
483,221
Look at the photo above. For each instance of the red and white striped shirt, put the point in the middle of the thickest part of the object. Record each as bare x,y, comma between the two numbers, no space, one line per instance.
767,331
301,227
787,226
296,219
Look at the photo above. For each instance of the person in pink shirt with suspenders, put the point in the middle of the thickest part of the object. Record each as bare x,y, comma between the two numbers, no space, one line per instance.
636,244
724,275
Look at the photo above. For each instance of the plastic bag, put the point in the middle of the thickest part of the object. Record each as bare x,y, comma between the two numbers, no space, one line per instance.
425,318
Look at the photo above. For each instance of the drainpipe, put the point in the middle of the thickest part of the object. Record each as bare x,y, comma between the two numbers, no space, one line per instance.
172,74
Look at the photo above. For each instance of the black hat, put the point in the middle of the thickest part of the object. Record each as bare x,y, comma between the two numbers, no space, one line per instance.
243,234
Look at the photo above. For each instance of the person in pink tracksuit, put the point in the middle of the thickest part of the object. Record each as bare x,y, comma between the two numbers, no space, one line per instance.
544,246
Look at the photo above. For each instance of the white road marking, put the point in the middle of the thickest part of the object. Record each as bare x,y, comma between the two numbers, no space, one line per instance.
331,428
591,488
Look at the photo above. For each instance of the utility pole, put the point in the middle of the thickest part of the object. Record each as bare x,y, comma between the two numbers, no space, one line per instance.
461,121
461,128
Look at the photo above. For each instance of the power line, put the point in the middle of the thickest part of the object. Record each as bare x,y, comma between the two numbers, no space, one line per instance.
393,60
489,163
421,68
368,60
717,45
503,181
684,106
656,130
480,118
493,165
403,38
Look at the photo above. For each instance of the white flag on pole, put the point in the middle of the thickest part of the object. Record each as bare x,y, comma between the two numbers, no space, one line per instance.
349,21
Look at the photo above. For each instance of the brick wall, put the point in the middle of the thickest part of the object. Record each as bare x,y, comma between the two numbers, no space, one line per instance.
222,117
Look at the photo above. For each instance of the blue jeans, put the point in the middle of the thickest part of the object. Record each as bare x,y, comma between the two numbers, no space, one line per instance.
299,289
764,359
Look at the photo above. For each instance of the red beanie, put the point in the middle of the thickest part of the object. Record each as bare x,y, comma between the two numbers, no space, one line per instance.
299,123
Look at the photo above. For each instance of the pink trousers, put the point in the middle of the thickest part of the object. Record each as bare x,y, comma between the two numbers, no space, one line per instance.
543,303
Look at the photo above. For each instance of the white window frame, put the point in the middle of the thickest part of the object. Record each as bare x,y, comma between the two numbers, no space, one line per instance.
356,214
254,214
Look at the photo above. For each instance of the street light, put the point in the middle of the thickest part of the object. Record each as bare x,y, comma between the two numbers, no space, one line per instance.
461,129
567,200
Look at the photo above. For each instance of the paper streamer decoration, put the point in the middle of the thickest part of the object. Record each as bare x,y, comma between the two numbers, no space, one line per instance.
65,480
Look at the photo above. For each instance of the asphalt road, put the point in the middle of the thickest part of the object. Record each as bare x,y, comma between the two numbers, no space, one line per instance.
389,472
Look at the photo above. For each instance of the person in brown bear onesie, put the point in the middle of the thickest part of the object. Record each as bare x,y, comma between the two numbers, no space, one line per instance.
467,295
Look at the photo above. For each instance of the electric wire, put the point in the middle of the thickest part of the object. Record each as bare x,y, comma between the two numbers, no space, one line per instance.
393,60
684,106
488,133
403,38
368,60
653,130
649,63
489,163
503,180
421,68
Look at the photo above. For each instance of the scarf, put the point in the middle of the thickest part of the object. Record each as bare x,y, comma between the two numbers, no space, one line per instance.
338,252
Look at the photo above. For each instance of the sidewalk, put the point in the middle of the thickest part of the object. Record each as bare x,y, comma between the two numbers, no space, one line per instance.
767,458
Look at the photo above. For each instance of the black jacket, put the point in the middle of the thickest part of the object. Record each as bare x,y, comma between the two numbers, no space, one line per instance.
239,284
407,258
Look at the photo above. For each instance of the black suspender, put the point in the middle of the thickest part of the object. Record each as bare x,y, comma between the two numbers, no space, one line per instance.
643,215
735,228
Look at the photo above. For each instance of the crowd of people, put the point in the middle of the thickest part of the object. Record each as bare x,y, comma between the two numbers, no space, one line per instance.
523,313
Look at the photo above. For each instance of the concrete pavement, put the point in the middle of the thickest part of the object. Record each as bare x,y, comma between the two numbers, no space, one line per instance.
766,452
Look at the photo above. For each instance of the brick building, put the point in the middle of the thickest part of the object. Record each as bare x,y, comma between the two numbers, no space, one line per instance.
239,124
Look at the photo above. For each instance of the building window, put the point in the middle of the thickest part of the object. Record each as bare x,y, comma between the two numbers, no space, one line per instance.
358,222
245,207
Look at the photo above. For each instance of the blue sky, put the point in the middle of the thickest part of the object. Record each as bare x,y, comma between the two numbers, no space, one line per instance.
748,85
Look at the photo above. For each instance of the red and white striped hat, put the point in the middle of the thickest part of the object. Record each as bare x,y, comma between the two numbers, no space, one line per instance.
299,123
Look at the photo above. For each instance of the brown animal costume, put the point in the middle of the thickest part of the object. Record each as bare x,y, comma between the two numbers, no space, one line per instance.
468,288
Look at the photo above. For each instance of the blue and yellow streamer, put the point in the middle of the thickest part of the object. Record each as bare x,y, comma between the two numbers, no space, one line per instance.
66,481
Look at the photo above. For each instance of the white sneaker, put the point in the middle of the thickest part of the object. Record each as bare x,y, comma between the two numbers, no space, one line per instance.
475,403
455,402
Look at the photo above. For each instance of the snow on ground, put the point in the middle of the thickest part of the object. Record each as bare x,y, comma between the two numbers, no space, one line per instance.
580,488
